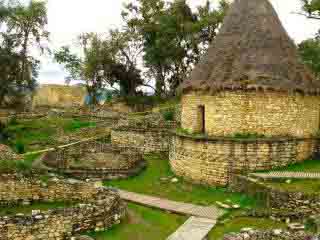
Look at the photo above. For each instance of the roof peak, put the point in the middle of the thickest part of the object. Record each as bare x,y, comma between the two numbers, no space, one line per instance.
252,50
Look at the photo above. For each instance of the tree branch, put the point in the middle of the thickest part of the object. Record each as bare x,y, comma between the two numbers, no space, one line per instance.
310,16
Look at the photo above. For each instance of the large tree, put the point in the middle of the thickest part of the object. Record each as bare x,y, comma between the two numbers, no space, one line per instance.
28,23
174,37
106,62
18,69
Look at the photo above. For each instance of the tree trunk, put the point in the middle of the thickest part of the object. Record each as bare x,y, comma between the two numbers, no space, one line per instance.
24,55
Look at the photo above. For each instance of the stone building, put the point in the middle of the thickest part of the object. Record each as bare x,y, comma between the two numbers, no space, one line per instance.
250,82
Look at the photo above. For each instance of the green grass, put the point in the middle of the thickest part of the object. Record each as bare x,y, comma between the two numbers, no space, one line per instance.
11,211
235,225
31,135
305,186
143,223
306,166
149,182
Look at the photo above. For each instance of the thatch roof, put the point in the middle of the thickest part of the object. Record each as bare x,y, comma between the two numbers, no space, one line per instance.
252,51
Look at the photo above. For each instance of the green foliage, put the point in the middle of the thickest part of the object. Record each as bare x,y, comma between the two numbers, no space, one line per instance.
20,147
173,37
311,8
25,27
310,53
143,223
248,135
168,115
149,182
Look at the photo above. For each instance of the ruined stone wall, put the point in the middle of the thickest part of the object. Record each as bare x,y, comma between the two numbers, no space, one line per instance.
270,235
214,161
59,96
95,159
100,208
279,202
145,140
270,113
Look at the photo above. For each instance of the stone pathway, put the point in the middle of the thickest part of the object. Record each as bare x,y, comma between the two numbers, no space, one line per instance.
193,229
211,212
293,175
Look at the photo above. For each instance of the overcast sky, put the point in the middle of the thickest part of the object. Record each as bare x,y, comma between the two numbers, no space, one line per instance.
68,18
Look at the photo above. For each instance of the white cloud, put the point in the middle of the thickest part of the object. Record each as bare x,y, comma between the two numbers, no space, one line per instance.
68,18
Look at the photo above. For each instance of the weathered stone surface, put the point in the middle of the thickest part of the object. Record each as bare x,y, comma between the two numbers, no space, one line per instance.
213,161
100,208
268,113
270,235
279,202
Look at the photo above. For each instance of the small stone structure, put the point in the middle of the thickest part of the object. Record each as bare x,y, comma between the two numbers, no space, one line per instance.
100,208
268,235
7,154
279,202
250,83
95,159
146,133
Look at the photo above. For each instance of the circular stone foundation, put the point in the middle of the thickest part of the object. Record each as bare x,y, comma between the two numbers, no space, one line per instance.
213,161
95,160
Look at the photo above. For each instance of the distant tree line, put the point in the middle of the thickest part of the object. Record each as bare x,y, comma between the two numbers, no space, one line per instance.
21,27
157,47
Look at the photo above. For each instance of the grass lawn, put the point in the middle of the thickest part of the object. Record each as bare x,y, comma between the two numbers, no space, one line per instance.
306,186
306,166
235,225
155,180
10,211
143,223
36,134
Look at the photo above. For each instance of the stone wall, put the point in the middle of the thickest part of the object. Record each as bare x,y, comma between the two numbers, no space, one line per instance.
148,134
59,96
270,235
214,161
145,140
95,159
270,113
100,208
279,202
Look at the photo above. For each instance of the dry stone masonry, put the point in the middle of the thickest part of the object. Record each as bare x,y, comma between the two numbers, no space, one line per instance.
270,235
99,208
214,161
95,159
247,85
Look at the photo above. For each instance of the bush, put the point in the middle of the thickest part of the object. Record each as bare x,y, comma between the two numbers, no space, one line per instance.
168,115
20,147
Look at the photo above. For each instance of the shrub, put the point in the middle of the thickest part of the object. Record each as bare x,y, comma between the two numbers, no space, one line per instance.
20,147
168,115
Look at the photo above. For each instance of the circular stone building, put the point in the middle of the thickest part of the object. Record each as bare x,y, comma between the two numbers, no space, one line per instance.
250,83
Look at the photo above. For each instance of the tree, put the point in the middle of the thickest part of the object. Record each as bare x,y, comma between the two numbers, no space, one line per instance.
311,9
18,70
310,52
174,38
28,23
106,62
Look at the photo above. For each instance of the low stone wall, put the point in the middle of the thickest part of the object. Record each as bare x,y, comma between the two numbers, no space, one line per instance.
95,159
145,140
270,235
146,133
100,208
279,203
213,161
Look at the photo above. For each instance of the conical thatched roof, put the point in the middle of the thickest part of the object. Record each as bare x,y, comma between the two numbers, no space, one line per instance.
252,51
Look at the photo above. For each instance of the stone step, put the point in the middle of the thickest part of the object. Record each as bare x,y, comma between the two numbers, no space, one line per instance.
194,228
